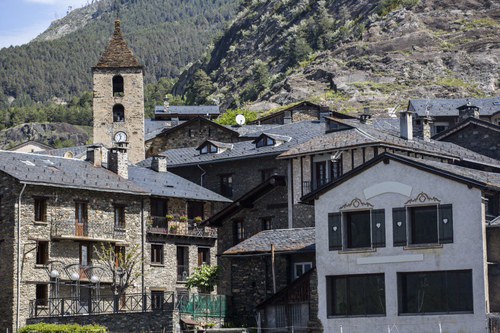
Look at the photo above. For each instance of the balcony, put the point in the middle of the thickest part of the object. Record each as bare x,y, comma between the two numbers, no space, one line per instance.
160,226
309,186
102,231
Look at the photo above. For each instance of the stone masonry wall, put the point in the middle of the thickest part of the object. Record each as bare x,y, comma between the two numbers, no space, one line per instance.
191,135
133,102
482,140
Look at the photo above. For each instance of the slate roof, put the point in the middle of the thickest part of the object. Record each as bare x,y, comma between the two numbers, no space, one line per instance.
448,107
284,240
251,131
217,144
300,132
472,177
154,127
465,123
118,54
78,152
367,135
171,185
189,109
47,170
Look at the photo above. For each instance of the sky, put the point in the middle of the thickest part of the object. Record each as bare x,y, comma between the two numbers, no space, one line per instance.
23,20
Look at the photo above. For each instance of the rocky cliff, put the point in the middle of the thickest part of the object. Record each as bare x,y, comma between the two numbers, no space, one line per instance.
356,53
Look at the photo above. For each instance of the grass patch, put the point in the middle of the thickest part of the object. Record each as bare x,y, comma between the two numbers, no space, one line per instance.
384,88
388,6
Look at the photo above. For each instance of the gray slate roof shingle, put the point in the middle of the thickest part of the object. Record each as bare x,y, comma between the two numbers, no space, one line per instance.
300,132
448,107
284,240
189,109
170,185
64,172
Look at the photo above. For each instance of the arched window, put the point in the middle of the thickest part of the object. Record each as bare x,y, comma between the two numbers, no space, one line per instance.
118,113
117,85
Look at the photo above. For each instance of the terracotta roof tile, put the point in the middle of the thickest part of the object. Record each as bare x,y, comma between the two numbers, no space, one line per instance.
118,54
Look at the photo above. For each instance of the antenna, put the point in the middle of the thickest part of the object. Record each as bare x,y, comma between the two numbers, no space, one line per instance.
240,119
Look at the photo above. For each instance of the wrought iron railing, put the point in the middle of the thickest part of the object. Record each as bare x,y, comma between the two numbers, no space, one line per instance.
90,229
160,225
203,305
74,306
309,186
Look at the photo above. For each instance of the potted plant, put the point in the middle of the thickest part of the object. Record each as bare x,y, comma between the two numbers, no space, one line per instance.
173,228
183,218
169,217
198,219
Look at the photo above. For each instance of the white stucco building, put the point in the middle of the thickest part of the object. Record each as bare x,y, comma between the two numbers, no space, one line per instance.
401,246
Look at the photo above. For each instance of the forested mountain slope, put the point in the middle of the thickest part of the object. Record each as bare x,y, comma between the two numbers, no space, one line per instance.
165,35
354,53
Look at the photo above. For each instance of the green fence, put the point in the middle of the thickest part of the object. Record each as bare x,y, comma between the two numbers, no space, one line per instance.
202,305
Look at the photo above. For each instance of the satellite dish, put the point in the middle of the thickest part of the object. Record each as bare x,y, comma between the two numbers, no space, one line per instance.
240,119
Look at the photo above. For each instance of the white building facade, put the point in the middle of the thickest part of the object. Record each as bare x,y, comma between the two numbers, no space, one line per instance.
401,247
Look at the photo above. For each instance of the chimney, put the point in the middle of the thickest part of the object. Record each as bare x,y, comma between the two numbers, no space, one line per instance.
467,110
426,128
118,159
406,125
94,155
159,163
287,119
166,104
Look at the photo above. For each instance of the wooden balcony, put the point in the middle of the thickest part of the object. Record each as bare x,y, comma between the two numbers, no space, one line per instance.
160,226
98,231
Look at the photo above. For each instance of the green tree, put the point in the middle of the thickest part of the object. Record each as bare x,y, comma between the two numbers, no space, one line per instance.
199,89
229,117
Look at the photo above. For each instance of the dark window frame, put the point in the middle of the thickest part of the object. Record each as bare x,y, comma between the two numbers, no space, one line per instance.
157,299
356,286
265,141
239,231
42,252
40,209
226,185
449,290
118,113
352,240
209,149
157,256
266,223
42,294
182,260
417,223
118,86
203,256
119,216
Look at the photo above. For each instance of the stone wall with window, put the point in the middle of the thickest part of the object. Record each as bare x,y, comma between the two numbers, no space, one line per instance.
409,241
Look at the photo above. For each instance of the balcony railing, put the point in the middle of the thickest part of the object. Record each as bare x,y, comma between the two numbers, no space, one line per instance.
90,229
309,186
73,306
203,305
160,225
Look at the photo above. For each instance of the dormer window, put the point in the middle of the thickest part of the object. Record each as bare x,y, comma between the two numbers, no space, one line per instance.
117,86
265,141
208,148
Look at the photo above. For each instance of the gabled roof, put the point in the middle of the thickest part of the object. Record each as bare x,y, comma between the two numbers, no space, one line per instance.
275,137
188,110
217,144
471,177
364,135
167,184
284,240
172,129
300,132
45,170
449,107
282,111
246,200
34,143
464,124
118,54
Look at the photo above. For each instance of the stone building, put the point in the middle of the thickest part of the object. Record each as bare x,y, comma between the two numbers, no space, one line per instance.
118,80
56,212
402,244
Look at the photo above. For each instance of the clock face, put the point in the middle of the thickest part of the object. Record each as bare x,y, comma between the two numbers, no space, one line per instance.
120,137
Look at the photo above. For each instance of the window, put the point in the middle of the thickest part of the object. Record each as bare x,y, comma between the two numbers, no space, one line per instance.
239,231
117,85
195,209
355,295
182,263
356,229
118,113
208,148
40,209
300,268
267,223
42,252
265,141
119,255
120,216
203,256
81,213
420,225
226,185
85,255
157,254
159,207
336,167
42,294
157,299
265,174
435,292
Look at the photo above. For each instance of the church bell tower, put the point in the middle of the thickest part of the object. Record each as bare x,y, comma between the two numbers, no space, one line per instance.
118,104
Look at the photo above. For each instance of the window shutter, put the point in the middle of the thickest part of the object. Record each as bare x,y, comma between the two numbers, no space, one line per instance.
445,224
378,228
335,231
399,226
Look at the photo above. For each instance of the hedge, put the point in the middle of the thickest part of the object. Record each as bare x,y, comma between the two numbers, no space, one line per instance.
55,328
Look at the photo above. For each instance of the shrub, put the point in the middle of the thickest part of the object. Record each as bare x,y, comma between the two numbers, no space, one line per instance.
204,278
55,328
